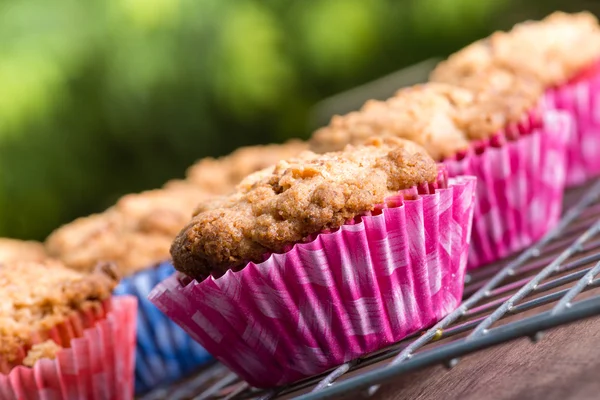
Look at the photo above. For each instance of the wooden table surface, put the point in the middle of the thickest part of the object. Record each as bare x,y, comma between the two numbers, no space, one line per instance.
565,364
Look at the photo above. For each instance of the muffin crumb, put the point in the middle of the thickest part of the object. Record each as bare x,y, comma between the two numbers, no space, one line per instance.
48,349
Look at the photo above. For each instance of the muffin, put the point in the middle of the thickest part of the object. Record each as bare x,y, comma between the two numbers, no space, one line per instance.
221,175
562,54
494,128
20,250
136,234
62,335
321,259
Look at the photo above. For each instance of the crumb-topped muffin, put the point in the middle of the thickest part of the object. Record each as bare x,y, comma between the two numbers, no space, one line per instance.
221,175
21,250
38,296
135,234
561,55
369,243
297,198
442,118
551,51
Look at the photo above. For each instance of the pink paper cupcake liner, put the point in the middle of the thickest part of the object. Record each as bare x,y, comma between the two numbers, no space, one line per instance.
98,363
339,296
520,183
581,99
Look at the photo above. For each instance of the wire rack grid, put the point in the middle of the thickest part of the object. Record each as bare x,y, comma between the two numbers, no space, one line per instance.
520,297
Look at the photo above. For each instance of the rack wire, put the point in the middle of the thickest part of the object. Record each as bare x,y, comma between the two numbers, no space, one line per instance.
546,279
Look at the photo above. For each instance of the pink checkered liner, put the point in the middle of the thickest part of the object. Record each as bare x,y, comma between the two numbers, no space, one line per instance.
344,294
581,99
520,185
98,365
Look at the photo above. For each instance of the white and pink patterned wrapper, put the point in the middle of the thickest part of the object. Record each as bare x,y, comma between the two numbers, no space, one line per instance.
520,184
581,99
342,295
99,363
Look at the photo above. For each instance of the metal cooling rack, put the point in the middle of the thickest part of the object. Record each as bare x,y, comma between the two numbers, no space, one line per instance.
537,290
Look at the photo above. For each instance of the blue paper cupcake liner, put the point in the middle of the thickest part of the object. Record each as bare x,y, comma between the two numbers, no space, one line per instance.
164,352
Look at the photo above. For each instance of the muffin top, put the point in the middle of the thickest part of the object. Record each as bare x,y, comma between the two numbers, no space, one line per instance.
161,211
499,99
221,175
135,234
425,114
442,118
37,296
297,198
551,51
19,250
81,244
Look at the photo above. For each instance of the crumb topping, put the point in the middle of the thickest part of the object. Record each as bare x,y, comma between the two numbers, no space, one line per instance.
221,175
37,296
442,118
551,51
297,198
135,234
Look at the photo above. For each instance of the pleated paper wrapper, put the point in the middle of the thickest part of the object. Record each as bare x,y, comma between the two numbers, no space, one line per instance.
342,295
581,99
520,184
97,365
164,352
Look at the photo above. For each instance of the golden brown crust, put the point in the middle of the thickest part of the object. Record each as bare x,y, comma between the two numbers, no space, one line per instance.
86,241
425,114
162,211
551,51
135,234
299,197
37,296
20,250
500,98
220,176
441,117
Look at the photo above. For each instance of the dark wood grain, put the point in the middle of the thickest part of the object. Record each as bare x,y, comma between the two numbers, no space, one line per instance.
565,364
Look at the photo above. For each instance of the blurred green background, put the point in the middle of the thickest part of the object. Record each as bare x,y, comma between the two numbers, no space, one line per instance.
104,97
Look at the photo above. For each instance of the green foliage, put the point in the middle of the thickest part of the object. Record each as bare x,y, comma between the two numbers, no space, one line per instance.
98,98
338,37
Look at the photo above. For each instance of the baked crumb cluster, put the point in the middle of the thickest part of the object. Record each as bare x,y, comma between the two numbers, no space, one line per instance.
38,296
296,198
478,91
48,349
